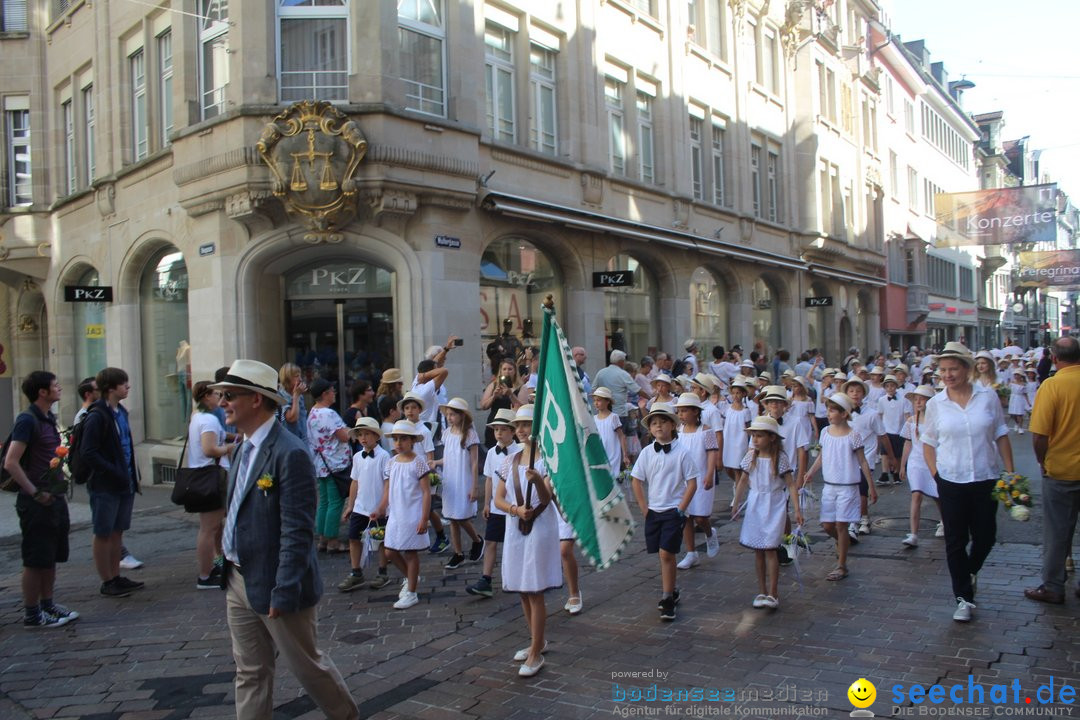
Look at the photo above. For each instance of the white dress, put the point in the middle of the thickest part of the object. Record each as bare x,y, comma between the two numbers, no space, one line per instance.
457,477
605,428
698,445
839,466
406,504
530,563
800,411
918,472
736,438
1018,399
766,503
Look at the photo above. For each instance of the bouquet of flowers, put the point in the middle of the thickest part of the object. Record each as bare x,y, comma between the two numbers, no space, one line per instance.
1014,492
435,479
814,449
623,477
1003,393
372,539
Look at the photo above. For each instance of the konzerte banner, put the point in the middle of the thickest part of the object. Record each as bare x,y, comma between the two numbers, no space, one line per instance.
1057,268
997,217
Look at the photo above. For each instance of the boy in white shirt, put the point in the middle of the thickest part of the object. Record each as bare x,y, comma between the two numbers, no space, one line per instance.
364,506
867,422
671,475
891,409
495,519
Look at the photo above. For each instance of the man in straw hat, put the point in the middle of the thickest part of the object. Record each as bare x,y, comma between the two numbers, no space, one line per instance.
271,574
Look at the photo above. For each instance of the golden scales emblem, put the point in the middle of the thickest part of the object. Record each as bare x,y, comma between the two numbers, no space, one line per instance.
313,150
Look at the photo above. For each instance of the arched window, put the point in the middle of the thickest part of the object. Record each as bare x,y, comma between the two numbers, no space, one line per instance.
629,309
709,311
166,376
89,329
765,316
515,277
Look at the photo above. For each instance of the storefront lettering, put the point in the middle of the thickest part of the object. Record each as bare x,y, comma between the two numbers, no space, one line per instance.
348,276
519,279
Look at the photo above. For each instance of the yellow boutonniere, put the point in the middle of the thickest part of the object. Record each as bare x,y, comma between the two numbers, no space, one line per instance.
265,482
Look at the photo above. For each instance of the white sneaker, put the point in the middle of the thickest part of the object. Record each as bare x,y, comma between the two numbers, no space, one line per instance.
864,526
407,600
911,540
940,532
1020,431
853,534
712,544
130,562
404,588
689,561
963,610
759,601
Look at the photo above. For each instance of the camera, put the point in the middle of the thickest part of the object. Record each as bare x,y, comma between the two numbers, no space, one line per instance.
458,342
505,380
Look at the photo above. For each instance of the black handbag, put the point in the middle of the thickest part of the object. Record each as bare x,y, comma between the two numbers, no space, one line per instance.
342,478
200,489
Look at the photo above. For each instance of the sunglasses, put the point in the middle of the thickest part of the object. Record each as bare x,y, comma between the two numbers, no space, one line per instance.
230,395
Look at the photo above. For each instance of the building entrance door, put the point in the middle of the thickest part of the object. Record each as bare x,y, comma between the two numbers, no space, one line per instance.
339,323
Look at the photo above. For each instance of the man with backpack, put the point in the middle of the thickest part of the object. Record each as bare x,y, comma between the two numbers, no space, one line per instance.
108,454
43,516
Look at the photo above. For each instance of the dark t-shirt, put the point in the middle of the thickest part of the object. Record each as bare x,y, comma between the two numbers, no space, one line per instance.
40,450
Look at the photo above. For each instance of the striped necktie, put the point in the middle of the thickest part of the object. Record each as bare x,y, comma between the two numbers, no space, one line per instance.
228,538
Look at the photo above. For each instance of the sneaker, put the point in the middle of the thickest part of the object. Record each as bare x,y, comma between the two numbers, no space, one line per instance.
911,540
674,596
481,587
43,620
477,551
884,479
853,534
127,583
667,609
351,582
1019,431
689,560
782,556
963,610
379,581
61,613
439,546
207,583
404,588
712,544
456,561
940,531
110,588
130,562
407,600
770,602
864,526
759,601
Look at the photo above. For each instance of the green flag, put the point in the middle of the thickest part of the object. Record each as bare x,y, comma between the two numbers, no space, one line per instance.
589,497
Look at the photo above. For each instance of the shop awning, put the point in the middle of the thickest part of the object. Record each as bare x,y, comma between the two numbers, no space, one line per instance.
845,275
532,209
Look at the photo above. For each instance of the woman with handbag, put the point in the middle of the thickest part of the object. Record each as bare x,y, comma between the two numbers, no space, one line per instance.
531,558
328,438
207,451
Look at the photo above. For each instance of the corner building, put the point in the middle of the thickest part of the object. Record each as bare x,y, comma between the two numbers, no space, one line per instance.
512,150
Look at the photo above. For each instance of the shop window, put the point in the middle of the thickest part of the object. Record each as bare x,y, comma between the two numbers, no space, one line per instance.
515,277
89,331
629,310
765,317
166,379
709,318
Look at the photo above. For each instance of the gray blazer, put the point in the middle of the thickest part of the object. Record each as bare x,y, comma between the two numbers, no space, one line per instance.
275,540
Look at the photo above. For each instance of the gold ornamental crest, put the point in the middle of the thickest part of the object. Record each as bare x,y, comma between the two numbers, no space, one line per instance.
313,150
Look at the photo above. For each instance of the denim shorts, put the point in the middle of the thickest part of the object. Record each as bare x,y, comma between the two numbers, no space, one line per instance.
111,512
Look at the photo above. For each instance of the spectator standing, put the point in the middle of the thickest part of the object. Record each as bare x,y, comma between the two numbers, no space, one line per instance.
579,365
615,378
1055,434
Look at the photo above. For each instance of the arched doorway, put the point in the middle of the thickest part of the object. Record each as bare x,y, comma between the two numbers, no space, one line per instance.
765,316
339,321
629,310
709,310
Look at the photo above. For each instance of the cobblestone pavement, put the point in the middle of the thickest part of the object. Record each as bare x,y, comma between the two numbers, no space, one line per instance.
164,652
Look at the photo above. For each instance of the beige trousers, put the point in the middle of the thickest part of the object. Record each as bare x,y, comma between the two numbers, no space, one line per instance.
255,637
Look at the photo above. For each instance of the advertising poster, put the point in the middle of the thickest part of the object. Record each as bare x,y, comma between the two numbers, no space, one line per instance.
997,217
1056,269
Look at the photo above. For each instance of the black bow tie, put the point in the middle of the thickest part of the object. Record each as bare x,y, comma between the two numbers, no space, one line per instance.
857,410
367,454
891,397
779,420
661,448
500,450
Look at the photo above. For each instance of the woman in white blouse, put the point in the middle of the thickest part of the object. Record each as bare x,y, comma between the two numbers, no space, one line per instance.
965,442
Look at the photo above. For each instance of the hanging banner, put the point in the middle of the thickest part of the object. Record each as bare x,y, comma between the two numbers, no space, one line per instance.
997,217
1056,268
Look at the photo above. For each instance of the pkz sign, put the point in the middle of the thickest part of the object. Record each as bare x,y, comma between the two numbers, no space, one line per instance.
816,302
613,278
87,293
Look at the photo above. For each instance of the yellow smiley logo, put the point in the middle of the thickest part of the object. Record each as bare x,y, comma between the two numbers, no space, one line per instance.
862,693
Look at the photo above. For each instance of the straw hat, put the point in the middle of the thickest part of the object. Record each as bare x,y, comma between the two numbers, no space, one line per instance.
901,367
704,380
802,381
404,427
391,376
662,377
661,409
251,375
683,380
957,351
368,424
524,414
789,373
877,370
764,423
690,344
747,364
503,418
602,392
890,379
855,381
688,400
985,354
458,404
841,400
766,376
410,397
776,392
925,391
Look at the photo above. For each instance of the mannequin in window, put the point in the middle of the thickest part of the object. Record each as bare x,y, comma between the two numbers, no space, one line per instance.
183,377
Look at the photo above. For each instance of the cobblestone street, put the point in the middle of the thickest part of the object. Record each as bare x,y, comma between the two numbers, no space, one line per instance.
164,653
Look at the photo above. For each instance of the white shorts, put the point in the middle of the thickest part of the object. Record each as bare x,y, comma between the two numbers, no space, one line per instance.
840,503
